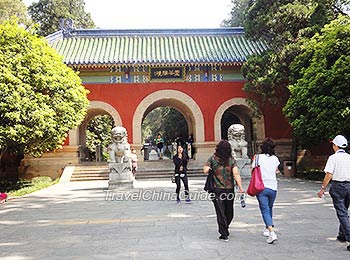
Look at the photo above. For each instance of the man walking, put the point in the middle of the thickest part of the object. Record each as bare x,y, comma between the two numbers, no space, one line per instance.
337,169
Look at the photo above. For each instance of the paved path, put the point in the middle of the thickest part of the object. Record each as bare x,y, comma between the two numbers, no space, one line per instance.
75,221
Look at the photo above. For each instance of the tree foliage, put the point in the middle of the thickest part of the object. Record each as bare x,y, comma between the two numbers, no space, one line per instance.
237,14
282,24
14,8
99,131
320,98
167,121
48,14
41,99
285,26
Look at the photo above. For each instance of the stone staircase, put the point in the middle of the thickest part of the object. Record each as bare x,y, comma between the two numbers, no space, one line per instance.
90,172
146,170
165,169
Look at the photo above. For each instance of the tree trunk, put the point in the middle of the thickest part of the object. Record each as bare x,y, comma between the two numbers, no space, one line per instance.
294,150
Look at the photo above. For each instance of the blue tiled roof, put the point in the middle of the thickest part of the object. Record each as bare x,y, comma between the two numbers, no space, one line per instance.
154,46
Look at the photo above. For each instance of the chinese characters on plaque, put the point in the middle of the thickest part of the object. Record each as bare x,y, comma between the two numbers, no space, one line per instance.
167,73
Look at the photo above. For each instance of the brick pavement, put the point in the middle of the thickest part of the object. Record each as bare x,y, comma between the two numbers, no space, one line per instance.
75,221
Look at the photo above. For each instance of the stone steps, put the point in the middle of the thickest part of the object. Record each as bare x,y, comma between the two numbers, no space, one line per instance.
90,172
146,170
151,174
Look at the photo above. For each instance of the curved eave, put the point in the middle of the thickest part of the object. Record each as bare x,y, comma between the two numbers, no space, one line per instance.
108,65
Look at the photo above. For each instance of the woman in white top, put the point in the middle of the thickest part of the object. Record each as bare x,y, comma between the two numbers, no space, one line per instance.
269,163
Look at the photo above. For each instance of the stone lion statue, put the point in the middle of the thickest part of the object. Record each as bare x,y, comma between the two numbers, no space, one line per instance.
236,137
120,148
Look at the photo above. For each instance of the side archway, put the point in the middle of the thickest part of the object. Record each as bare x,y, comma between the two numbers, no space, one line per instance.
78,136
99,106
176,99
258,124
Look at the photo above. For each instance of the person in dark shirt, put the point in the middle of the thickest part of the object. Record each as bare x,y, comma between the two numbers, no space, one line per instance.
180,161
190,148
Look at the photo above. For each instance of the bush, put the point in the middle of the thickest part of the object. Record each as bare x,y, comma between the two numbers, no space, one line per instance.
9,185
311,174
43,179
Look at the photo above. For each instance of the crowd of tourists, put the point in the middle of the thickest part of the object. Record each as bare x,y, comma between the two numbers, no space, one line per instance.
226,176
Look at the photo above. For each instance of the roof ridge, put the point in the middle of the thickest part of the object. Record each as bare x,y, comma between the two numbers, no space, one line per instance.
154,32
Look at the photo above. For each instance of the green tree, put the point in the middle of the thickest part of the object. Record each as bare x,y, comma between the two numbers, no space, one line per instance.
237,14
98,132
320,98
41,99
49,13
14,8
282,24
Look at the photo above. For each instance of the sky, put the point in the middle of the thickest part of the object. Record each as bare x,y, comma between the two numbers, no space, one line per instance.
156,14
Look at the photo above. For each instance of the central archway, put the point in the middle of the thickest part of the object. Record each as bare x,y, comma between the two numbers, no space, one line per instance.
173,98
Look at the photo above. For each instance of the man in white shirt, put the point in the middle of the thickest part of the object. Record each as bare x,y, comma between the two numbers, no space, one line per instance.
337,169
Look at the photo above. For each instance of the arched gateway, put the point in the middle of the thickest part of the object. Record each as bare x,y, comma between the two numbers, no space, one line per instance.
176,99
197,72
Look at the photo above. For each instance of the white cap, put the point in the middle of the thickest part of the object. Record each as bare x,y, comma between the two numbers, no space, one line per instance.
340,141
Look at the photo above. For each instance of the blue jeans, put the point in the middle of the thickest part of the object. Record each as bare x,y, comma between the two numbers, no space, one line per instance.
160,151
266,199
340,193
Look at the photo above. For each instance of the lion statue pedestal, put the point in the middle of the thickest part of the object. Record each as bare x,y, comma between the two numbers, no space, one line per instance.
244,166
236,137
120,174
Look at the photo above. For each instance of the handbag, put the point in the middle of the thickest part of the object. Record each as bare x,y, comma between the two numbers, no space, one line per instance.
209,183
256,184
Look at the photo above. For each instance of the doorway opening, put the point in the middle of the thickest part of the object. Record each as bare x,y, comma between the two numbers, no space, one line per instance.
167,122
97,139
238,114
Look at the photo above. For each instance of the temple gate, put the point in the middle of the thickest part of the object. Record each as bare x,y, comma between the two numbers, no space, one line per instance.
195,71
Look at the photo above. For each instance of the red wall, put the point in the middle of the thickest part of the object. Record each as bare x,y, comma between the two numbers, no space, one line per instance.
276,125
208,95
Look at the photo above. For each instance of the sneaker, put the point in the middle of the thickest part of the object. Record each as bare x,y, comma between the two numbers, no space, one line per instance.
178,201
223,238
272,238
188,201
341,239
348,247
266,233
